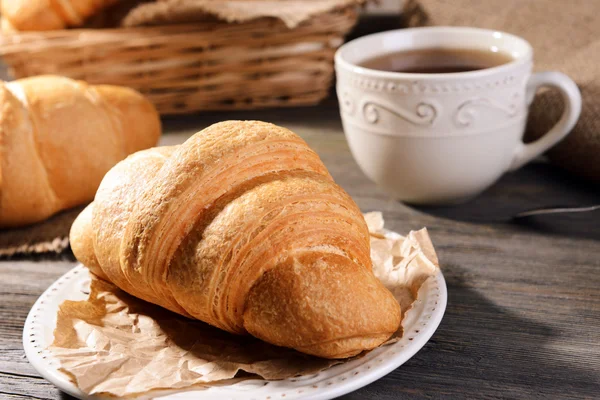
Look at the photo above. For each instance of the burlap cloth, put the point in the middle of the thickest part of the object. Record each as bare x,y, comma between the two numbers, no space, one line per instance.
291,12
50,236
132,13
565,36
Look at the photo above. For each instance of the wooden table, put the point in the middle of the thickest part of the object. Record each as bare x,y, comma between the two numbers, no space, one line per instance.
523,317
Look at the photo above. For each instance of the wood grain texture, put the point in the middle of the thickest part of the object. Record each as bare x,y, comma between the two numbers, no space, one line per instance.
524,299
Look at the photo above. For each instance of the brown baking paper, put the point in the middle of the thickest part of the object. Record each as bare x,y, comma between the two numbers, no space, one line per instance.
116,344
291,12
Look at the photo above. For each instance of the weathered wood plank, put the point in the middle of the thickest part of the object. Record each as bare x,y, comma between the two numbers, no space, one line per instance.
23,386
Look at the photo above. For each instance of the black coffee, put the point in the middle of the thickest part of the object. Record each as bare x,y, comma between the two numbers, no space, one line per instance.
437,60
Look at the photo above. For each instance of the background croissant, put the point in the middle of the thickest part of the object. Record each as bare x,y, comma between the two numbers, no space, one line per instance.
43,15
241,227
58,137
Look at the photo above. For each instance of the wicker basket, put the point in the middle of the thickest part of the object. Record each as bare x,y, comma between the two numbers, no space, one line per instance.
187,68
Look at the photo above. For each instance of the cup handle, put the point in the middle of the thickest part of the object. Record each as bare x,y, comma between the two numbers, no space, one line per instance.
572,98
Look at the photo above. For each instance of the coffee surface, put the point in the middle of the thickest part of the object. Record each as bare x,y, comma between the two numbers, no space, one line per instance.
437,60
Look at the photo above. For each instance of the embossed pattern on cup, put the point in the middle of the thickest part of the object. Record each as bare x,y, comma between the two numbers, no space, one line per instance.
400,106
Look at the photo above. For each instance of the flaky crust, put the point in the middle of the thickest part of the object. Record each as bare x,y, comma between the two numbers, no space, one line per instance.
58,137
242,227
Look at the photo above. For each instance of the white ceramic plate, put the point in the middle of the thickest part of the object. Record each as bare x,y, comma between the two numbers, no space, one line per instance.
419,324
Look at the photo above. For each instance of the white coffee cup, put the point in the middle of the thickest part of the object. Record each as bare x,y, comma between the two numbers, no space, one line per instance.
443,138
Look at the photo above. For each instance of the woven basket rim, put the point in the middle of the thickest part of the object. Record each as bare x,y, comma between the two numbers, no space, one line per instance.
200,25
33,41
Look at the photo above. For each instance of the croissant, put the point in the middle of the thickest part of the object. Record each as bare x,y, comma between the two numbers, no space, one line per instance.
241,227
58,137
43,15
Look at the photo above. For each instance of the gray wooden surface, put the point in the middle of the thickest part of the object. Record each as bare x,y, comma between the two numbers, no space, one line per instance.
523,317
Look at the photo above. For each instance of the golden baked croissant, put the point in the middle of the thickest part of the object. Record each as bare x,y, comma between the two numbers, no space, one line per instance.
241,227
58,137
43,15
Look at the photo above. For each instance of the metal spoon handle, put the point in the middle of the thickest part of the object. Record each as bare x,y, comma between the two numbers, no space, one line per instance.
557,210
